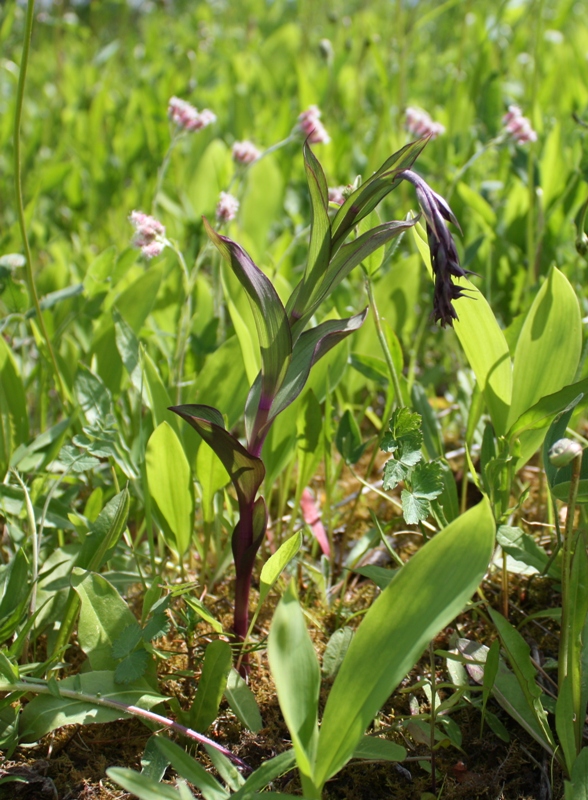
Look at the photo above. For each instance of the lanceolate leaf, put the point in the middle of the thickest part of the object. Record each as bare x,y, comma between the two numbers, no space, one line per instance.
370,193
309,348
246,471
320,237
424,596
349,256
271,321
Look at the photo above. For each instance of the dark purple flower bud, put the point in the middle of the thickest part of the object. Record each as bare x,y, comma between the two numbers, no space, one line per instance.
444,258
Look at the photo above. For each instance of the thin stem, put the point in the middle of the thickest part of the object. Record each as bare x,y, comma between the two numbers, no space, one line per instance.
35,545
382,339
432,718
143,713
19,197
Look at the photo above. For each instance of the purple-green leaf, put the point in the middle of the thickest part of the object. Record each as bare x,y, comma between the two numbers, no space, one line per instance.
369,194
271,321
246,471
320,237
348,257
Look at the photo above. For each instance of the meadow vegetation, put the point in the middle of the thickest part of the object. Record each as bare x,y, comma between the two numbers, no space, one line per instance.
346,243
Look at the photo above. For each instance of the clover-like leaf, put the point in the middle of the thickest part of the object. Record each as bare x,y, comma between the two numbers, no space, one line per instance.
414,509
132,667
394,472
426,480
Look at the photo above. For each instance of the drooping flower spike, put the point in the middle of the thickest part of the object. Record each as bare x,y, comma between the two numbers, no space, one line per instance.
444,257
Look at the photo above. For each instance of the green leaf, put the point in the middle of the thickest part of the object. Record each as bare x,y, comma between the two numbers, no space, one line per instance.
523,547
132,667
14,593
245,471
191,770
212,477
381,576
578,788
394,472
377,749
348,439
541,414
424,596
363,201
426,480
549,345
127,641
336,649
242,701
414,509
270,317
264,775
564,721
103,618
218,658
296,673
45,712
170,486
276,563
14,426
141,786
104,533
310,347
519,656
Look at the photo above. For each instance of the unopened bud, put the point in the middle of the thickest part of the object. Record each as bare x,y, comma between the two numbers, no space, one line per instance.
563,452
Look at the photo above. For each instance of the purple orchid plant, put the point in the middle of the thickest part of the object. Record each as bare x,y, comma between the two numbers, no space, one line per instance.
289,349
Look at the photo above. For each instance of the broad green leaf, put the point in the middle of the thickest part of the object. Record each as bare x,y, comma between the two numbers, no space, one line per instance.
242,701
427,480
46,712
541,414
14,592
296,673
136,301
564,721
414,509
549,345
105,532
92,395
336,649
276,563
271,321
14,426
483,342
157,398
379,749
190,769
264,775
141,786
212,477
424,596
170,486
225,768
251,358
577,616
578,788
104,616
381,576
523,547
218,658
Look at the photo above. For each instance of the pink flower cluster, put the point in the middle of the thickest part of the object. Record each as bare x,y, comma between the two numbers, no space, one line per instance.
149,234
185,116
518,126
337,194
419,123
227,207
310,125
245,152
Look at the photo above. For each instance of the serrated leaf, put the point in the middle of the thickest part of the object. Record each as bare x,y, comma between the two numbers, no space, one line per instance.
127,641
132,667
155,628
414,509
426,480
394,472
404,421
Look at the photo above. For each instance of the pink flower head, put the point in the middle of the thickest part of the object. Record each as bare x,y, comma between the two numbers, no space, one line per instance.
227,207
518,127
419,123
149,234
310,125
245,152
337,195
185,116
